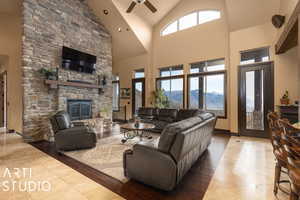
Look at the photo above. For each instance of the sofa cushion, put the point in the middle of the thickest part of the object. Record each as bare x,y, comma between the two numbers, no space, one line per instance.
169,133
145,111
187,113
206,115
166,119
167,114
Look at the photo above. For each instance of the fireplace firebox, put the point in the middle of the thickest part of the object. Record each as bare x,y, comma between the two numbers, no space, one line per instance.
79,109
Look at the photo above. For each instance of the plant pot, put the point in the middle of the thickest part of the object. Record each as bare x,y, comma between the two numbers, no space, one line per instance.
285,101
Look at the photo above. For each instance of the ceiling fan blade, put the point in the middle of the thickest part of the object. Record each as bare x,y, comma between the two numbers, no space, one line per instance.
131,7
150,6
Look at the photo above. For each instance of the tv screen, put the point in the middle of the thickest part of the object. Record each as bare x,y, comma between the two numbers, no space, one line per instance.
78,61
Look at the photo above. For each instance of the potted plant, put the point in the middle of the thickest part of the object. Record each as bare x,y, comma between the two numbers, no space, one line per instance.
49,74
160,99
285,98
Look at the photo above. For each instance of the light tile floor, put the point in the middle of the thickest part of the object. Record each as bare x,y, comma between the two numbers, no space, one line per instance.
66,183
245,172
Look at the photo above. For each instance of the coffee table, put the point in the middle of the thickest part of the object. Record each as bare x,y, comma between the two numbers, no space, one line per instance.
130,131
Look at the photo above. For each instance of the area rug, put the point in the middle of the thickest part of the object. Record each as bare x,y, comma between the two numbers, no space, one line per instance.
107,156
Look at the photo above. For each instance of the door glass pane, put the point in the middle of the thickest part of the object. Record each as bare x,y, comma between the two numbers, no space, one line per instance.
138,96
194,92
176,93
254,100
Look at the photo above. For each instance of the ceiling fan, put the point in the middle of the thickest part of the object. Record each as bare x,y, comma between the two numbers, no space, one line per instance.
145,2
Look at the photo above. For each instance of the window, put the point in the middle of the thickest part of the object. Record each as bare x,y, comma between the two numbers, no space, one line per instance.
173,88
208,66
207,16
139,73
207,87
171,71
253,56
171,28
116,93
190,20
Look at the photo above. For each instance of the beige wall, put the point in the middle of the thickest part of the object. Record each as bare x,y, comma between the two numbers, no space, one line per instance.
10,45
210,41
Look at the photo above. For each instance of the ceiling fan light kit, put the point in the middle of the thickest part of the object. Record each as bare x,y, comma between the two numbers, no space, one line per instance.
149,5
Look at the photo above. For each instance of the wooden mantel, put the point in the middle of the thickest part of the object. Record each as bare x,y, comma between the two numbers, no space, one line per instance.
289,36
54,84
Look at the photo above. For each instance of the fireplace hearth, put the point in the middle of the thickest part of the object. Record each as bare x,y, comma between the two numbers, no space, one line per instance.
79,109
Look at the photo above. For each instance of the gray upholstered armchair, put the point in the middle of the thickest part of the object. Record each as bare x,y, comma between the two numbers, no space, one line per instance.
71,136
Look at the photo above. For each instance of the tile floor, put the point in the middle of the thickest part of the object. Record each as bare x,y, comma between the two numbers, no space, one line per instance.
245,172
65,182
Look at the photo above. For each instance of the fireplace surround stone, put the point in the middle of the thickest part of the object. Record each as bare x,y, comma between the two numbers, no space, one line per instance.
49,25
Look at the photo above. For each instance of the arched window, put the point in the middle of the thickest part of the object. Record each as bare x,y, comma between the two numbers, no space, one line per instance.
190,20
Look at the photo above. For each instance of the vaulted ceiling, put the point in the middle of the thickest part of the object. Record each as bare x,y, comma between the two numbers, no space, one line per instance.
132,33
246,13
163,8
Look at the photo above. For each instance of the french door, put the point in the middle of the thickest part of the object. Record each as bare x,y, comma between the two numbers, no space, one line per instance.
256,98
138,94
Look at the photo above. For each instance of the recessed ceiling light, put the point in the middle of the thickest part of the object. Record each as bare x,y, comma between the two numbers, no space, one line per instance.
120,29
105,12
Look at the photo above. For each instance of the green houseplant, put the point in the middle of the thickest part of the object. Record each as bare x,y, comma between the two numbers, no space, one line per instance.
160,99
50,74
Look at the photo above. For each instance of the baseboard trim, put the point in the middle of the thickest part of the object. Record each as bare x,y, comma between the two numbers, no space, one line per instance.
26,139
217,130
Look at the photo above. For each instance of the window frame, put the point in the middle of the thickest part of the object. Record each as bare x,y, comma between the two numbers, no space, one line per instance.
119,99
203,74
171,78
198,22
170,69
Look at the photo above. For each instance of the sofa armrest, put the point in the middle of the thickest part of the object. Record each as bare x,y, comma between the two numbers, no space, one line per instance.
146,164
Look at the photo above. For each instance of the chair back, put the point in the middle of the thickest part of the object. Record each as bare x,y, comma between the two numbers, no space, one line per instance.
60,121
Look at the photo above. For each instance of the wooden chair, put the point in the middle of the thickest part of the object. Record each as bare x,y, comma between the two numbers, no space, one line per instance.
281,159
292,151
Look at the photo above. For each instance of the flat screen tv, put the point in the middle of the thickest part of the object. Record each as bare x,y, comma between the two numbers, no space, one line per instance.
78,61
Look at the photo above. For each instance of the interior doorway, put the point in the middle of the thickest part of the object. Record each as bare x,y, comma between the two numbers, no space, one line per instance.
256,98
138,94
3,100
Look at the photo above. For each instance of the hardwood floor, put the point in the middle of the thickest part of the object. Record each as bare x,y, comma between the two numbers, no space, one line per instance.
192,187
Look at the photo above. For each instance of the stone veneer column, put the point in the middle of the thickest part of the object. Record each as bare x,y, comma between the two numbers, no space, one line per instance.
49,25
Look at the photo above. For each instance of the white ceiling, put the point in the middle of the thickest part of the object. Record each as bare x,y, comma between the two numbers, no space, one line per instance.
247,13
163,8
241,14
125,43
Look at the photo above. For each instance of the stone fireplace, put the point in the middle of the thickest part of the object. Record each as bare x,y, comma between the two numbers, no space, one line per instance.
74,25
79,109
